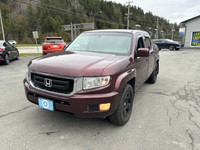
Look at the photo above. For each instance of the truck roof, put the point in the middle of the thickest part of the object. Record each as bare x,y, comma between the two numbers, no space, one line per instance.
119,30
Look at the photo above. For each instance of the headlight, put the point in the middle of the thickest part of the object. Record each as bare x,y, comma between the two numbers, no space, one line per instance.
28,76
95,82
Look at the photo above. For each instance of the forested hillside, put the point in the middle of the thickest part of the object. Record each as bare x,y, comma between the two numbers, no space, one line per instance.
21,17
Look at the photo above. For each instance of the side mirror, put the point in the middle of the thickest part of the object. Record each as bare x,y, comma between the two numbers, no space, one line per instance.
143,52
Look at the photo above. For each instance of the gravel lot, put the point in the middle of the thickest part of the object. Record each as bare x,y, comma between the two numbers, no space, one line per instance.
166,115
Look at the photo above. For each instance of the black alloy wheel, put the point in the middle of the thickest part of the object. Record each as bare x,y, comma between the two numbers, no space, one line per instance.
6,60
124,109
17,56
171,47
153,77
127,104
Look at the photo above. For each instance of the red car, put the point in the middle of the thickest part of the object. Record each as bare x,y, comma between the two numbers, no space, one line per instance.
53,44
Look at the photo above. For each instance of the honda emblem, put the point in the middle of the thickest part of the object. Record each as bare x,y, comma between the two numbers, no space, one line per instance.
48,82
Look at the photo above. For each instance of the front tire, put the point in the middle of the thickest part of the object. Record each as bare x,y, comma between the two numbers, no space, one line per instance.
17,56
171,47
7,60
153,77
124,109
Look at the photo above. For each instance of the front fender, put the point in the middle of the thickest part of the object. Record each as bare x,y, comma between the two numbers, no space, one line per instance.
124,78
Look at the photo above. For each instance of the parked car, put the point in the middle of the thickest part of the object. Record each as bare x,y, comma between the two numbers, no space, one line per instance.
95,76
167,44
8,52
53,44
12,42
180,43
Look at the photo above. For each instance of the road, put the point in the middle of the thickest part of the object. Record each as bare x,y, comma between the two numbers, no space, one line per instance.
166,115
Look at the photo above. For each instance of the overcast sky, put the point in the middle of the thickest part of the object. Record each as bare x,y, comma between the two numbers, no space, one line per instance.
172,10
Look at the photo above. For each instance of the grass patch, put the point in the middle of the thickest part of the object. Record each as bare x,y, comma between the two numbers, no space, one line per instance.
30,54
27,45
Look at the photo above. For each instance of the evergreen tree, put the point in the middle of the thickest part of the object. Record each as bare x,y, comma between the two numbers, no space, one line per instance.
49,16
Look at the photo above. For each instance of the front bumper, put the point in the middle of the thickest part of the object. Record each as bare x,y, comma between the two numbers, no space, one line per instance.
178,46
77,104
52,51
46,51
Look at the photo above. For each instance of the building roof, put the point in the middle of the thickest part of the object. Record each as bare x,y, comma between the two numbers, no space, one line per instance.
191,19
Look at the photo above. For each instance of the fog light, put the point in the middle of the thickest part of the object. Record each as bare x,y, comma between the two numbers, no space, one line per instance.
104,107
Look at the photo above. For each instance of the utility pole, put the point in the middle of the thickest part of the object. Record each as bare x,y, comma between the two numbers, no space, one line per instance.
75,33
94,15
72,32
157,28
128,15
2,26
173,32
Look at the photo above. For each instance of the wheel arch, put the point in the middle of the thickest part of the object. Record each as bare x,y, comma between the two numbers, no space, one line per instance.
132,83
127,77
157,62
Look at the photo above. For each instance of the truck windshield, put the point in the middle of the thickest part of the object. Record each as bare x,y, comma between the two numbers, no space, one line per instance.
116,43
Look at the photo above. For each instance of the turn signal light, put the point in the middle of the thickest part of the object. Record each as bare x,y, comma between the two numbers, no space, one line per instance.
104,107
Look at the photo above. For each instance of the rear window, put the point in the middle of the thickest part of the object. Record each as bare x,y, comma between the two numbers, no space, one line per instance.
157,41
54,40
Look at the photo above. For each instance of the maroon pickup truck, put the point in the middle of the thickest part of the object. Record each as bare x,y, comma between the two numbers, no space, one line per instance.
95,76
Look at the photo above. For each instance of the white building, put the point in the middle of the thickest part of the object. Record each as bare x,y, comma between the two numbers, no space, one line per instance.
192,32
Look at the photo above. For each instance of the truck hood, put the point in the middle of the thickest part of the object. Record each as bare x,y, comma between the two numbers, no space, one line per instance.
74,64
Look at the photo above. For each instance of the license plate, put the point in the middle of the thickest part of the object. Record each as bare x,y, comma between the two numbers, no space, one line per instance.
46,104
55,45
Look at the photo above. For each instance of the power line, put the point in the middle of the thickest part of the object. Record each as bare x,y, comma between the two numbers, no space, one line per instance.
63,11
97,19
58,10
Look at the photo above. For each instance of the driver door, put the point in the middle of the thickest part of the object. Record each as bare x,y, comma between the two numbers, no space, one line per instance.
141,63
8,49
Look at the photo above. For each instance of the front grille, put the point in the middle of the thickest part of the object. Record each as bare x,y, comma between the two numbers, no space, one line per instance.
58,85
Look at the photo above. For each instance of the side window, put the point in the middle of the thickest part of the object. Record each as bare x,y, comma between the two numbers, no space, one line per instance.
157,41
148,43
6,44
163,41
140,44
